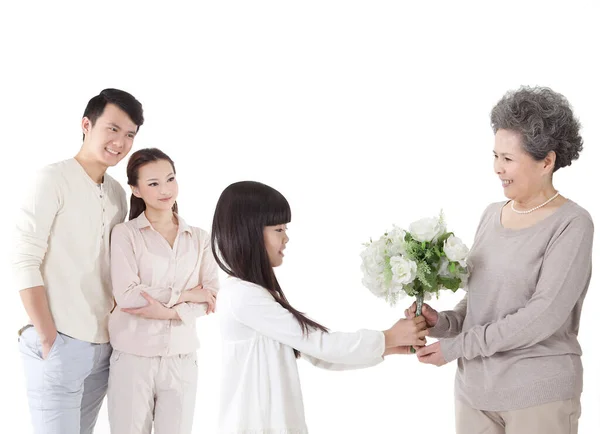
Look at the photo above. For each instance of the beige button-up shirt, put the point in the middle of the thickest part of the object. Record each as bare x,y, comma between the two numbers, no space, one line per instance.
62,243
143,260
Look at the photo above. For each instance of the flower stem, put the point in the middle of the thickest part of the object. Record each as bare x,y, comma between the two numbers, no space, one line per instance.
420,298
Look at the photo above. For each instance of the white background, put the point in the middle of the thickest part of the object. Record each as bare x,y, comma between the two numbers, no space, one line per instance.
362,114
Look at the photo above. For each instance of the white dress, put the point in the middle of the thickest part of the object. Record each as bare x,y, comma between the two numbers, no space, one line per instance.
260,386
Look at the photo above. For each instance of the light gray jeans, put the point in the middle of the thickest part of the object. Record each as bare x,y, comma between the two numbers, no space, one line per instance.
66,390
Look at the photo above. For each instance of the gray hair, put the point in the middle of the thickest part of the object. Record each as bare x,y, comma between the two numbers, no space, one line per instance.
544,119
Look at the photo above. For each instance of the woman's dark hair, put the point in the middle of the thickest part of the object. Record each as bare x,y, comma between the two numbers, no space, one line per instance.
545,121
238,244
125,101
136,161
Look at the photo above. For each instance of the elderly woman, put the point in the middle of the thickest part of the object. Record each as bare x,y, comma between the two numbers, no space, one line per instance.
515,332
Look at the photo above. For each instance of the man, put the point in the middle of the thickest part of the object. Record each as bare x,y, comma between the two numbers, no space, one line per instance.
61,266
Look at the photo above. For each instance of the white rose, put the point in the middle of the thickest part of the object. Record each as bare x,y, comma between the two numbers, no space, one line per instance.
427,229
443,270
397,246
374,256
455,249
404,270
373,266
375,284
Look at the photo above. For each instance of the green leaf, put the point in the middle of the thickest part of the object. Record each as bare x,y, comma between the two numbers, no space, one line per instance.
432,281
444,238
452,283
423,273
436,254
452,267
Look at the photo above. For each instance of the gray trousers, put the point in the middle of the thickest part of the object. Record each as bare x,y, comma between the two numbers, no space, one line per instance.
66,390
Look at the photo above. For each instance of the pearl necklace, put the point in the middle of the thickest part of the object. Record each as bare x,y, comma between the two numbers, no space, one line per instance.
512,205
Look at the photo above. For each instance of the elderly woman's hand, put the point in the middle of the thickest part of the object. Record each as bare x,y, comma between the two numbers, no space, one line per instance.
432,355
429,313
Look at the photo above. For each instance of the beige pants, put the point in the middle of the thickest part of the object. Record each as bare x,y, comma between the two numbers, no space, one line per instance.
559,417
146,389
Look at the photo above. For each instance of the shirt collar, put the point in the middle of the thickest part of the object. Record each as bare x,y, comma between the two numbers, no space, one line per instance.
79,169
143,222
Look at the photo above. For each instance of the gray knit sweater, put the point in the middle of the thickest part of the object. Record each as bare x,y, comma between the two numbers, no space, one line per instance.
515,332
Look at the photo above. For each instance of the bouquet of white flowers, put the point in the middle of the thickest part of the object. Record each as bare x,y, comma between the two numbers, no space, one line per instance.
418,262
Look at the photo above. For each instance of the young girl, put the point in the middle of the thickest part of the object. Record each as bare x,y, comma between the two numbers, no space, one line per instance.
164,276
262,333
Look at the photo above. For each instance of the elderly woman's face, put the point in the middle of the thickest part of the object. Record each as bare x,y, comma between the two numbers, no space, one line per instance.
521,175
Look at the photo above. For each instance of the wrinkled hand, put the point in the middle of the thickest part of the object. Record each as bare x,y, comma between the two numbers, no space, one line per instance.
432,355
153,310
429,313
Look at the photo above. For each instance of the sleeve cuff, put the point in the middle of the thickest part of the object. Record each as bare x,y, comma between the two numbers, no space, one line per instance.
451,349
175,294
381,347
441,328
187,314
28,279
376,342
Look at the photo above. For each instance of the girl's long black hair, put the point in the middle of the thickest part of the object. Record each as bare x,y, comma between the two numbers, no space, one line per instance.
237,240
